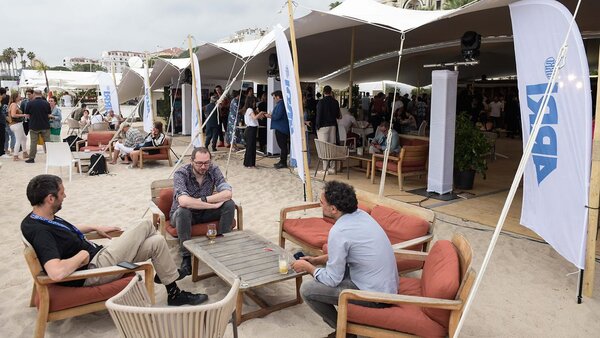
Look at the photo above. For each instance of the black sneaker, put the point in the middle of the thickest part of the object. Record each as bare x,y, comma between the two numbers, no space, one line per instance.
279,165
186,298
30,161
181,275
214,149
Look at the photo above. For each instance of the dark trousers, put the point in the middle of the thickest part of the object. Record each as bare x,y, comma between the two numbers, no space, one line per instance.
184,218
250,154
2,138
262,139
283,141
212,133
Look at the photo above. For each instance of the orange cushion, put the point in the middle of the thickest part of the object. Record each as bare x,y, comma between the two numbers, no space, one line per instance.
65,297
90,148
97,137
197,229
364,207
406,167
159,156
165,200
404,318
312,230
441,278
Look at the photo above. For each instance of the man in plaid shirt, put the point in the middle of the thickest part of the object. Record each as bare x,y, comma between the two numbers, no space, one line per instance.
133,137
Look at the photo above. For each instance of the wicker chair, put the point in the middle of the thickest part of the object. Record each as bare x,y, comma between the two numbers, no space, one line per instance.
331,152
134,316
74,126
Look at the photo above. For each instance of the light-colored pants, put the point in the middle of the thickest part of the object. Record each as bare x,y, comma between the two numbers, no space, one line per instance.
33,140
136,245
123,149
20,138
326,134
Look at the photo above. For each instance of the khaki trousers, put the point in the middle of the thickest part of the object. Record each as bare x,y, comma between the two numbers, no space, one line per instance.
136,245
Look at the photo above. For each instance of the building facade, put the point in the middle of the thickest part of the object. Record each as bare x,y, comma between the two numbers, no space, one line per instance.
118,59
415,4
70,61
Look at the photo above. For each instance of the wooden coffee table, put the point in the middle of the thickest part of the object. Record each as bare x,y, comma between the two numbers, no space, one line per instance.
368,158
248,256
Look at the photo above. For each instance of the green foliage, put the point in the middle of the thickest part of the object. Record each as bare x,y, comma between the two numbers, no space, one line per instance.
334,4
470,146
453,4
79,67
60,68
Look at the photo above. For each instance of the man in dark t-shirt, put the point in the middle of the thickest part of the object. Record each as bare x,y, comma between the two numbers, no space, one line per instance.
62,247
38,112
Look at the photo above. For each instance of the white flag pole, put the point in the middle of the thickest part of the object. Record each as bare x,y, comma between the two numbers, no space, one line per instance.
515,184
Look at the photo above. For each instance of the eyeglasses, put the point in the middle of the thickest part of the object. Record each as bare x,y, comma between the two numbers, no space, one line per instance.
201,164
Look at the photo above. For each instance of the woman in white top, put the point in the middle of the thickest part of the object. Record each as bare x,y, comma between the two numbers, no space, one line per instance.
251,120
96,117
155,138
16,125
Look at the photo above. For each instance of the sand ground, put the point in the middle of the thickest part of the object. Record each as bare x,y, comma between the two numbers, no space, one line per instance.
528,290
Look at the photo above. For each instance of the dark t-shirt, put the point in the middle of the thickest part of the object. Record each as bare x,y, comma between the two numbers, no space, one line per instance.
38,110
262,106
51,242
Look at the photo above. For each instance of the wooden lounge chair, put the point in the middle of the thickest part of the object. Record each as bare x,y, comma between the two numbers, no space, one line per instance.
430,306
56,302
164,153
134,316
412,161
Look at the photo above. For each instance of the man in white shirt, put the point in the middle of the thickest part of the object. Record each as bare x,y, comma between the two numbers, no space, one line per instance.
360,255
66,100
496,108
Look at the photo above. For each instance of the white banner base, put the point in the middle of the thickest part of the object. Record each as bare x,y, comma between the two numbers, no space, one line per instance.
272,146
441,131
186,109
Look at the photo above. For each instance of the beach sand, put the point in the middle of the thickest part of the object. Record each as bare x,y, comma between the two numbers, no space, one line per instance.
526,291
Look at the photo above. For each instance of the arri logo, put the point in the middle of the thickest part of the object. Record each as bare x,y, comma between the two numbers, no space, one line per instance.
107,102
545,150
288,98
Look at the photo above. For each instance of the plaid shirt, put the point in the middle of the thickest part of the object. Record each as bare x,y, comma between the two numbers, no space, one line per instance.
133,137
185,183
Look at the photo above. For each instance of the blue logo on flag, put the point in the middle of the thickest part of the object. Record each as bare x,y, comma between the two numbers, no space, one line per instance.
549,66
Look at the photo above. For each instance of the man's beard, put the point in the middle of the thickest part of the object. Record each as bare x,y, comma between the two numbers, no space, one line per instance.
199,173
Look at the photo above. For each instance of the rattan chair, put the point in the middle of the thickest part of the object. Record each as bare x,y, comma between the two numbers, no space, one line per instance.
74,126
134,316
331,152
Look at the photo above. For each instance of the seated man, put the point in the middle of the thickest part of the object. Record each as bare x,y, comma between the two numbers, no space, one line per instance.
379,142
132,136
195,200
62,248
113,120
360,255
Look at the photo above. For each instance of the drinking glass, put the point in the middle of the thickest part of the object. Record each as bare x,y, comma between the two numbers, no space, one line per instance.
211,232
283,264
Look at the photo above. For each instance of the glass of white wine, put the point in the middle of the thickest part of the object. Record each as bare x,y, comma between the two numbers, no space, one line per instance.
211,233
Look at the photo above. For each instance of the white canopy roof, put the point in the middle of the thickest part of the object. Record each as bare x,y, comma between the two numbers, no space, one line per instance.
60,79
132,84
167,71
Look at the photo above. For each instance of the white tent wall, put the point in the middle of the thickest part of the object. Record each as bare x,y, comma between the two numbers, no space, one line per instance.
58,79
132,84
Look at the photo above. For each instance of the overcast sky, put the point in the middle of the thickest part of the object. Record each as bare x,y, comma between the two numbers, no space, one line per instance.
54,29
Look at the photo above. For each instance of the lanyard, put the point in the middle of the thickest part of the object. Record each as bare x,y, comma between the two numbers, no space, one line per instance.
62,226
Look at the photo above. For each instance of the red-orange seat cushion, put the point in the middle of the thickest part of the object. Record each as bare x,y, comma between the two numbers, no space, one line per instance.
96,137
165,200
441,278
406,167
399,228
404,318
90,148
65,297
312,230
162,155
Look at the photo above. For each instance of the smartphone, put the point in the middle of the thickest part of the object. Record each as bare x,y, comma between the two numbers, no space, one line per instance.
128,265
298,254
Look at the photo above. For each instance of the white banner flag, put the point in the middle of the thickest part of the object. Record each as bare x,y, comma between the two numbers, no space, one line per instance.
196,106
556,179
109,92
290,99
148,114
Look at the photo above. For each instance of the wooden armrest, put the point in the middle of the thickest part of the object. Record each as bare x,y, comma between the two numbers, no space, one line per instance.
79,143
94,235
386,298
159,147
410,254
390,157
306,206
157,213
240,216
413,242
42,278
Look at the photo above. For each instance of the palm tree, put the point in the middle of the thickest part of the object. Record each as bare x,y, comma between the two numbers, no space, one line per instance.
2,62
452,4
21,52
13,59
334,5
40,66
31,56
6,55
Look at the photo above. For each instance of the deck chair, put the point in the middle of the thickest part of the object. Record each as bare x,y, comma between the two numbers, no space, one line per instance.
134,316
58,154
56,302
430,306
422,129
331,152
74,126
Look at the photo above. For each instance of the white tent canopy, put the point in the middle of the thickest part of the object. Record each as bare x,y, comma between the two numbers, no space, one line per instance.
63,80
167,71
132,84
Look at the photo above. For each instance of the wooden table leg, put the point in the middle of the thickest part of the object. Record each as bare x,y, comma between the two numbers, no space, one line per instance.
298,285
368,169
195,263
238,307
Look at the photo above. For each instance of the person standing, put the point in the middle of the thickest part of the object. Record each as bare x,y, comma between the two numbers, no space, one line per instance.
365,104
55,120
16,125
67,100
3,125
212,124
251,120
261,107
328,112
360,256
38,112
280,123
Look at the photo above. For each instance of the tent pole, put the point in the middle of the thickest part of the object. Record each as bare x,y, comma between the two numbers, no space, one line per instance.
302,127
195,92
594,196
351,68
580,286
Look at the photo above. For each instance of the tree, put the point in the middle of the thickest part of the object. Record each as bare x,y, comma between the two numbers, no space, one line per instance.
60,68
80,67
40,66
13,59
334,4
21,52
7,56
31,56
452,4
